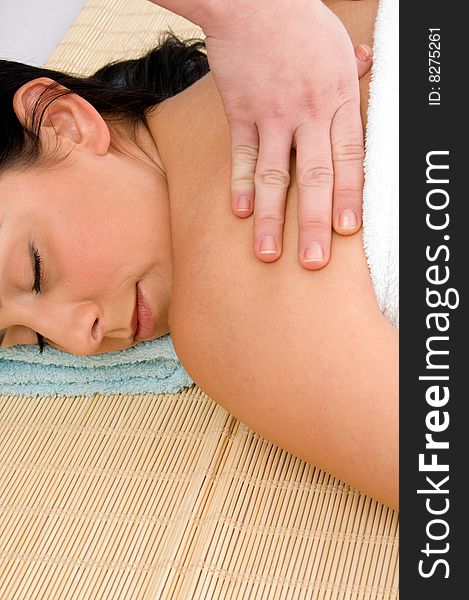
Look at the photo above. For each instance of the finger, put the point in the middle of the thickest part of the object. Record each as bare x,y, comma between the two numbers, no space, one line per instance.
271,180
347,155
363,54
244,151
314,174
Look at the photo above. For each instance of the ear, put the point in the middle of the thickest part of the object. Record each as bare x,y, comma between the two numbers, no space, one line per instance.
70,117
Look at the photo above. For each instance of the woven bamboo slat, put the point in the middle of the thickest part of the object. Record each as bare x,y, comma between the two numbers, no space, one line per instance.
168,496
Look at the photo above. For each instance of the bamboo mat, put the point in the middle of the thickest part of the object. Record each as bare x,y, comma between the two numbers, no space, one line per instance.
168,496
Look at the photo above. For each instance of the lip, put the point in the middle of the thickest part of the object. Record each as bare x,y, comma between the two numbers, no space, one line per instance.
134,323
143,319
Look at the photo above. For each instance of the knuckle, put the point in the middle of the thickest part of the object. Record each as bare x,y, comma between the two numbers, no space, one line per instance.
347,93
348,196
308,104
315,222
242,181
314,107
350,153
276,113
275,110
268,222
274,177
244,153
315,176
242,174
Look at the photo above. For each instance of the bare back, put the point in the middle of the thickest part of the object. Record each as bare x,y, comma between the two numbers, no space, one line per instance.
304,358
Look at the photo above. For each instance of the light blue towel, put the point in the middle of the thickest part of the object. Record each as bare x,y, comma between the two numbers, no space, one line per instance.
147,367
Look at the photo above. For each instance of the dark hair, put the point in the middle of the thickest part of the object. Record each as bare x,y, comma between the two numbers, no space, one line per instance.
121,91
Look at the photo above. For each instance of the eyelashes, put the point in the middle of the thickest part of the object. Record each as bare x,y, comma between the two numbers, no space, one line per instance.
41,343
37,271
37,289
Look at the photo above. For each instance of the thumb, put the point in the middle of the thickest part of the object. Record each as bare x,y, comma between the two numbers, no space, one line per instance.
363,56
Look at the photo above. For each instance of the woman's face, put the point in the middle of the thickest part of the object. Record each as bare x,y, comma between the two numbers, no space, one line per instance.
100,223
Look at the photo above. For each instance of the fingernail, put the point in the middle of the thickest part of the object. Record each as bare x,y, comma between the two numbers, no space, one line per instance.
313,253
244,204
363,53
268,245
348,219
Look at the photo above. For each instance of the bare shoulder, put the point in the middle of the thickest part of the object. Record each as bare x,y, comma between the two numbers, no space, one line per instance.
304,358
236,320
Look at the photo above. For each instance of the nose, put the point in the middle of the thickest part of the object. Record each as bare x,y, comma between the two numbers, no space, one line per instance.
78,329
84,332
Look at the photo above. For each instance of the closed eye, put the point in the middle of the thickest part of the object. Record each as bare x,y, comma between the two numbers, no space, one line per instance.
37,289
37,271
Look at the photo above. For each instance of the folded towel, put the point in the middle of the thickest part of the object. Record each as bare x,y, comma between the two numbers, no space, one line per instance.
147,367
381,191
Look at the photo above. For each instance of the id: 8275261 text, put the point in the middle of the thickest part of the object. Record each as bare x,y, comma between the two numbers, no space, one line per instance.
434,74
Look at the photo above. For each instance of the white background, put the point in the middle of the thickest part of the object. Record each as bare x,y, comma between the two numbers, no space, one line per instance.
31,29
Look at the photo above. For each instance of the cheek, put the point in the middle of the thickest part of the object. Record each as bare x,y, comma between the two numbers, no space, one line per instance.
93,258
93,262
112,236
90,239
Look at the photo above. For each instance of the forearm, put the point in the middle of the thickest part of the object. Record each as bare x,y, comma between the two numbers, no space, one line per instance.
215,13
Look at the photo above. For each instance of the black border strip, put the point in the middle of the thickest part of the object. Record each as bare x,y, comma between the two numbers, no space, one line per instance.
433,268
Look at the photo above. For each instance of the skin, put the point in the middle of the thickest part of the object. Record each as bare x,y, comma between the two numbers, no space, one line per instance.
94,249
305,359
299,90
89,275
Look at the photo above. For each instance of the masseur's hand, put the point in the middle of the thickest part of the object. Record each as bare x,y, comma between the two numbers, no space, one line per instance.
287,76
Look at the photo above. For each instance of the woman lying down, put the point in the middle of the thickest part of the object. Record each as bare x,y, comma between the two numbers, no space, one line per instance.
116,226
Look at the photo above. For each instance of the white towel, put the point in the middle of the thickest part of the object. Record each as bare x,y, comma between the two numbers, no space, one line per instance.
381,190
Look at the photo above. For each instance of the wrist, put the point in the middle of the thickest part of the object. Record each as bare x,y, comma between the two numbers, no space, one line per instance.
215,15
